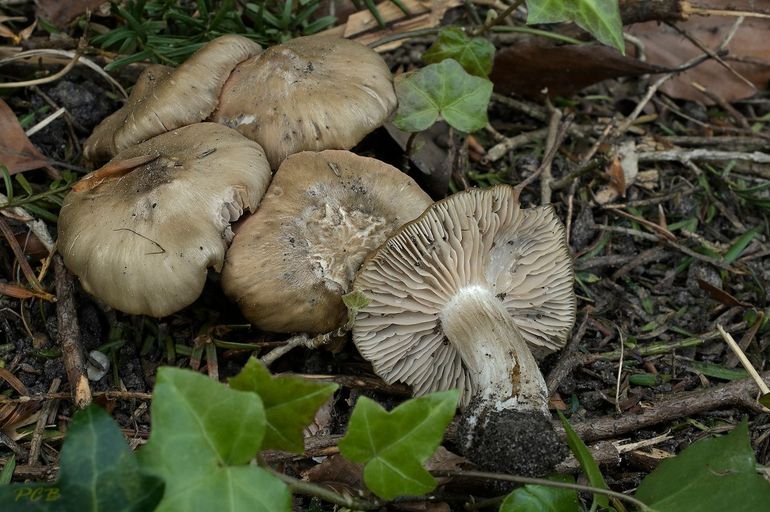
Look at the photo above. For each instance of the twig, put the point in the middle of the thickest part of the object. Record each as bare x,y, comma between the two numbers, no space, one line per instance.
547,158
550,146
310,489
501,149
45,122
299,340
44,80
620,369
108,395
736,393
497,19
743,359
732,360
567,357
69,335
685,155
37,434
69,55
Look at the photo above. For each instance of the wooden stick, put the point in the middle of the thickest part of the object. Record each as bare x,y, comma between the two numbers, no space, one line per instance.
743,359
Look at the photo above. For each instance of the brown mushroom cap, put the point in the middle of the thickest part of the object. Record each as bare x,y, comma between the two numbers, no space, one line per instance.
164,99
292,260
142,242
310,93
474,248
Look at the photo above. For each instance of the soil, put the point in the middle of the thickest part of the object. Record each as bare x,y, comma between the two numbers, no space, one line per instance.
636,290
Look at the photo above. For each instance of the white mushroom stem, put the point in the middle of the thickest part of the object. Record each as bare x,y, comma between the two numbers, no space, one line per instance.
503,371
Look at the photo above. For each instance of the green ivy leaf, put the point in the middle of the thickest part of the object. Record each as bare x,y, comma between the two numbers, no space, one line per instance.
587,462
290,403
599,17
98,473
444,90
393,445
712,475
203,437
474,55
541,498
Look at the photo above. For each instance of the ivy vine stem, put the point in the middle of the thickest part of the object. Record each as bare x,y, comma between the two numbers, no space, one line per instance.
541,481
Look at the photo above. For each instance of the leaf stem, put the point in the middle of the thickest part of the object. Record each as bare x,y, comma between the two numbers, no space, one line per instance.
310,489
544,482
404,35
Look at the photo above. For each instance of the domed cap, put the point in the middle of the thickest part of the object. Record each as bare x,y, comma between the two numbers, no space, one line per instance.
472,261
142,240
164,99
291,262
310,93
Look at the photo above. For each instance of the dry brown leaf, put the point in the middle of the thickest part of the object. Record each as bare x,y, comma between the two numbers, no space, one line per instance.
112,169
538,68
720,295
337,472
60,13
749,53
363,27
17,153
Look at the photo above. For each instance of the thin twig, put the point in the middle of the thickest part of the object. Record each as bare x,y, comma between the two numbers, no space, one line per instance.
69,335
497,19
44,80
744,360
37,434
675,405
310,489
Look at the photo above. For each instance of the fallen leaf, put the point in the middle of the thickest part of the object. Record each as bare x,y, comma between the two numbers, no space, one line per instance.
60,13
17,153
537,69
720,295
749,53
623,170
112,169
337,472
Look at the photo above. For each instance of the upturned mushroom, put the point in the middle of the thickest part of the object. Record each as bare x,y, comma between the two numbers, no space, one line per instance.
291,261
142,232
458,299
165,99
310,93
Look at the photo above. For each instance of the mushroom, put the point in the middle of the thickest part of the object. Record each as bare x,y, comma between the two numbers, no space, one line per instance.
291,262
141,240
457,299
164,99
310,93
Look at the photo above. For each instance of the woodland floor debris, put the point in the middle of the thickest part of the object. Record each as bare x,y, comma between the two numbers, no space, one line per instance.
710,193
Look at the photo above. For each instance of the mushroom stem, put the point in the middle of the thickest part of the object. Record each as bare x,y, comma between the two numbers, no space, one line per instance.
503,372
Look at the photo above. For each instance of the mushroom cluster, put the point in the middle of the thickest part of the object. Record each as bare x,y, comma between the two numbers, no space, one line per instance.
141,232
465,293
310,93
458,299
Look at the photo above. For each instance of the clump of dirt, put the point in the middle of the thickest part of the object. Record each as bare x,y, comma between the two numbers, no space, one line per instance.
508,441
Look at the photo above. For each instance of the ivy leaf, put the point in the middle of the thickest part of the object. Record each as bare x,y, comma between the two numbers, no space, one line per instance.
599,17
587,462
393,445
98,473
474,55
203,437
441,90
290,403
712,475
541,498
